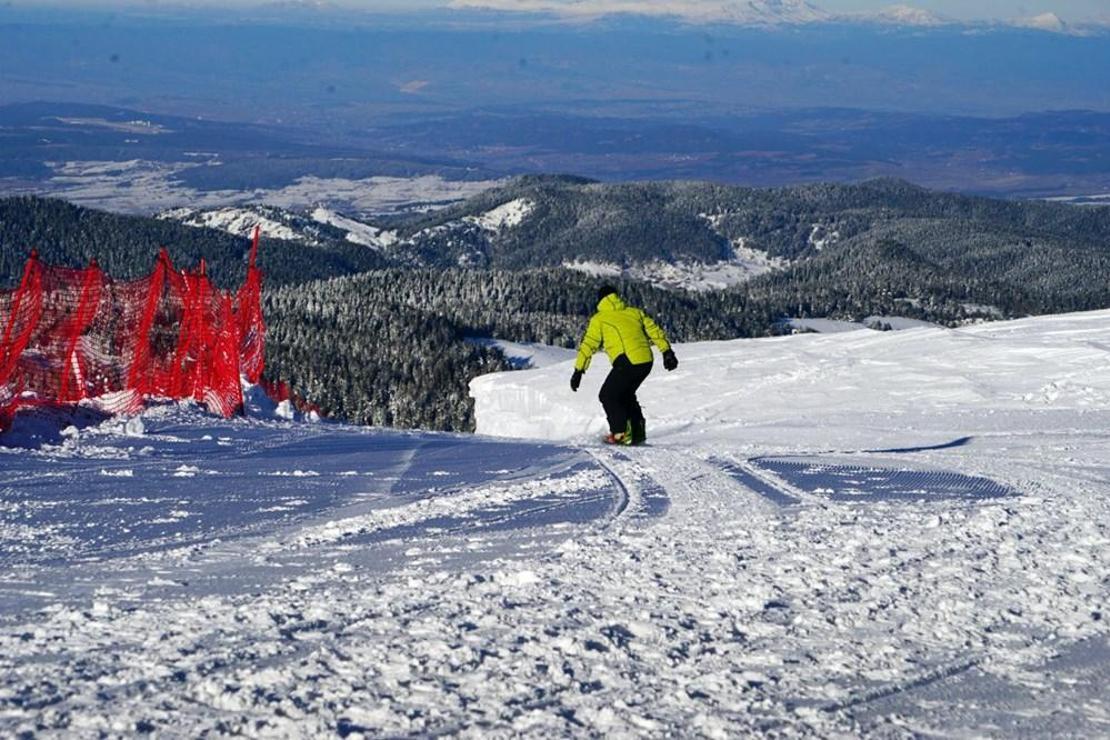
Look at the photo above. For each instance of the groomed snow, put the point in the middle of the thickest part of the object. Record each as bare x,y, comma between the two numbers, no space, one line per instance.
870,533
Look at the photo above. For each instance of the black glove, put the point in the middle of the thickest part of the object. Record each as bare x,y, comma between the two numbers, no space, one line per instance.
576,380
669,360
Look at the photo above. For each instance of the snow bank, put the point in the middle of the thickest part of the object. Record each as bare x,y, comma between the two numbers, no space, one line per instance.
522,355
1037,363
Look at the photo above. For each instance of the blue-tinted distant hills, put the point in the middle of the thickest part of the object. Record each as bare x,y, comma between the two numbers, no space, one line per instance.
313,66
1062,153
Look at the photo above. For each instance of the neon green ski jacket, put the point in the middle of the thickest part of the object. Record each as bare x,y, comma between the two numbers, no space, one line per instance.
621,330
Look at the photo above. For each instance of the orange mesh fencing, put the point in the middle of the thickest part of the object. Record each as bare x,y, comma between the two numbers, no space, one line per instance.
72,335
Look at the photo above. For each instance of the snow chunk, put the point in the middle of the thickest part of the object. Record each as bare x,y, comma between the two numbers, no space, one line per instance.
117,473
518,579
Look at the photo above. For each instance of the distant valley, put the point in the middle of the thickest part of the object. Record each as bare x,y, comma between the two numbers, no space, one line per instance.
138,162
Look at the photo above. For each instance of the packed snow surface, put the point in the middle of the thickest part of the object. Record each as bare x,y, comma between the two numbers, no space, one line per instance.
885,533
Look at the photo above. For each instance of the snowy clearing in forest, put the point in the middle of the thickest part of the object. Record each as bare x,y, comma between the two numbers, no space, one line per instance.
357,232
889,533
680,275
506,215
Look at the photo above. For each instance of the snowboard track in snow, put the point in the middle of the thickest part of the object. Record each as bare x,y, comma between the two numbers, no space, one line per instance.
642,496
929,678
745,476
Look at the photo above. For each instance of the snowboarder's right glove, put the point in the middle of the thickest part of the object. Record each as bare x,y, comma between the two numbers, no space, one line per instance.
576,380
669,360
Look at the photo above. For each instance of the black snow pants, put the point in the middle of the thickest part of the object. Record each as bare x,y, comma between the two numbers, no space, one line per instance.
618,396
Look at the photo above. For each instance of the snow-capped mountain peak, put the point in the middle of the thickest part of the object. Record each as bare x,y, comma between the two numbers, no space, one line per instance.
1044,22
775,12
908,15
744,12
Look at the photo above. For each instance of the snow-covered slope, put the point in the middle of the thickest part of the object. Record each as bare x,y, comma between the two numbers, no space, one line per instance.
357,231
888,534
313,227
242,221
506,215
1023,366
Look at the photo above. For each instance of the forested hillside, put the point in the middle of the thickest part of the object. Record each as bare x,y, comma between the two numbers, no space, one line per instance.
126,246
568,219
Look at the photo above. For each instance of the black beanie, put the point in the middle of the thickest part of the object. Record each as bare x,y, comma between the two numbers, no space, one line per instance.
605,290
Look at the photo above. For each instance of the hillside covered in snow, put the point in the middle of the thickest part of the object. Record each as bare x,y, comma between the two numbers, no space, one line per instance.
890,533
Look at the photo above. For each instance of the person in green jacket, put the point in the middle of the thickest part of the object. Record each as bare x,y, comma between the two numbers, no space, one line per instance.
627,334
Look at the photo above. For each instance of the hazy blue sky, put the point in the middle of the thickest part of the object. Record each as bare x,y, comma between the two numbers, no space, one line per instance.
1069,10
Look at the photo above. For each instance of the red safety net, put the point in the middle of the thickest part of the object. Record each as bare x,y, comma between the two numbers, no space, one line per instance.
71,335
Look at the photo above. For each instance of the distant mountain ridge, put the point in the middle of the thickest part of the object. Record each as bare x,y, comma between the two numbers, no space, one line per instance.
669,233
126,246
769,13
625,228
742,12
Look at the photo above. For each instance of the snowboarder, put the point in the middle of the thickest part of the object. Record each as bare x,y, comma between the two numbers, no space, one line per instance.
627,334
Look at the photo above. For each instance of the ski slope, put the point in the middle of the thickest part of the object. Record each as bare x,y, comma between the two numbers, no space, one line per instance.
887,533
